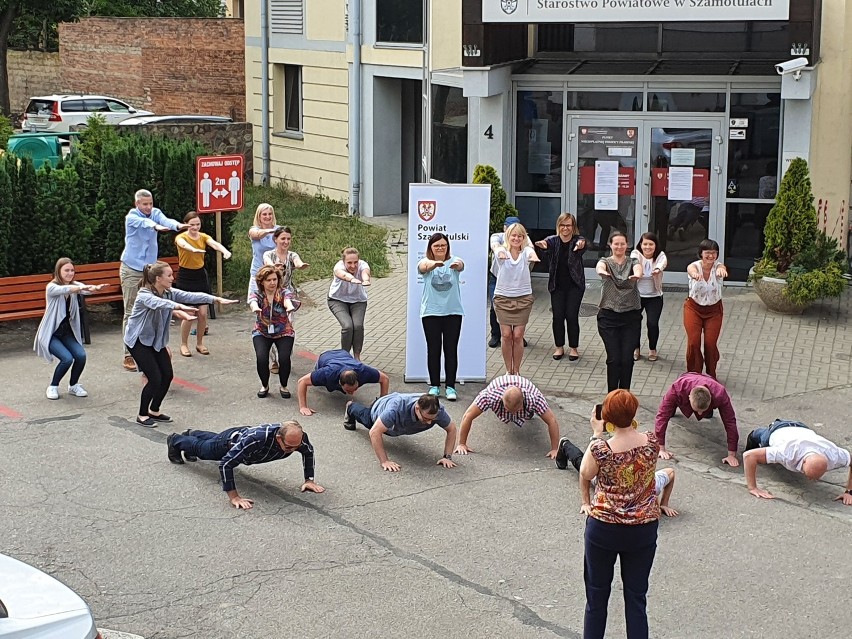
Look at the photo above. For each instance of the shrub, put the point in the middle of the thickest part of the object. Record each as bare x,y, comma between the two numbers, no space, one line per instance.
500,208
6,130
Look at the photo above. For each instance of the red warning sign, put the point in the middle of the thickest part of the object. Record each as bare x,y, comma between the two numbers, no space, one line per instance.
218,183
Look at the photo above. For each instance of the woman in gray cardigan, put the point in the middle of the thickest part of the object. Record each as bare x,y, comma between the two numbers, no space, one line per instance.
147,334
59,333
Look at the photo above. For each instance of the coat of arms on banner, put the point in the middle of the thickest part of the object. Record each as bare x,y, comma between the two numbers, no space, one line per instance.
508,6
426,209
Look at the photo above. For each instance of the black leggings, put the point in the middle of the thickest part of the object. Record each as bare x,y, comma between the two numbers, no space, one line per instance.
262,346
442,331
157,367
620,334
565,305
653,307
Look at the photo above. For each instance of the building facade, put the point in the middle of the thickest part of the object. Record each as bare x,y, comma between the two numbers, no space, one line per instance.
667,116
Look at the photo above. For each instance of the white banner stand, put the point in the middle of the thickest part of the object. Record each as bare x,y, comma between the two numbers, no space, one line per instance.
462,212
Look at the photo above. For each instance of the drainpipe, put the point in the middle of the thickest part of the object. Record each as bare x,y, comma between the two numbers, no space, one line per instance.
426,119
355,108
264,91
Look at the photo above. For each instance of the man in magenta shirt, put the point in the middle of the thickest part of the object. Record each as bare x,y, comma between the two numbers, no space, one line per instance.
697,394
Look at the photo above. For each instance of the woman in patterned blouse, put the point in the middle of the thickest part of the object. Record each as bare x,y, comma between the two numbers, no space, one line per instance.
272,304
622,516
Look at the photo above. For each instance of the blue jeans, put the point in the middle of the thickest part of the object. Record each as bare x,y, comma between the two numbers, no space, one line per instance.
361,414
636,546
71,354
204,444
492,316
759,437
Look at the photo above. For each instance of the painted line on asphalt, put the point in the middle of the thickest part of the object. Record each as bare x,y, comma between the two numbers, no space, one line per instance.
8,412
307,355
189,385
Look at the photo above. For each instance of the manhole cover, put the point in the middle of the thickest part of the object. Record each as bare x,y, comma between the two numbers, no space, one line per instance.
588,310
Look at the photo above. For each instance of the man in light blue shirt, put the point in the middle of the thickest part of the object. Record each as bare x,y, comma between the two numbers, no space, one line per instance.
402,414
140,248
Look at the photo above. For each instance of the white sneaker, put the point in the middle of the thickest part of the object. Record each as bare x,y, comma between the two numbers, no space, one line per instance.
77,391
52,392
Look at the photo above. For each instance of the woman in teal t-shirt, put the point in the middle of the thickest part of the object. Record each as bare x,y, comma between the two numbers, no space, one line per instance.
441,312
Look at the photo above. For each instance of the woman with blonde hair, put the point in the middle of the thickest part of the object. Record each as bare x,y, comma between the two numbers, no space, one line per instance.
513,298
347,299
623,516
147,334
59,333
192,247
260,234
566,282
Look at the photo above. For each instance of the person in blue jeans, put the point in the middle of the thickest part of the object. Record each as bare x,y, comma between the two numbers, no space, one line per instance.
59,334
245,445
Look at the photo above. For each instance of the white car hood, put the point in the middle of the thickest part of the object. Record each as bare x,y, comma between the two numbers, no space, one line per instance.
28,593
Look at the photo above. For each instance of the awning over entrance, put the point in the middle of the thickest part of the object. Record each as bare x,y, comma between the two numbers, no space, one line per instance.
650,67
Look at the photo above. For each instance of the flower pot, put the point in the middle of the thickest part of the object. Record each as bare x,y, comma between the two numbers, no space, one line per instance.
770,290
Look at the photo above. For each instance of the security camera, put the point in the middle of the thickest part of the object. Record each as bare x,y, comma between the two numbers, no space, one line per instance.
792,66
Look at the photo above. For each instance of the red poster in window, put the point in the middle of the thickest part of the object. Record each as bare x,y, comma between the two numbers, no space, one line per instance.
700,183
626,180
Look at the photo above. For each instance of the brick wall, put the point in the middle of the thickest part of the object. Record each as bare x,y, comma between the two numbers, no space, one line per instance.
32,73
164,65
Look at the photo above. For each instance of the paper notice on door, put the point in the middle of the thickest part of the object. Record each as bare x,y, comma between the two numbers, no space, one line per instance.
680,183
683,157
606,185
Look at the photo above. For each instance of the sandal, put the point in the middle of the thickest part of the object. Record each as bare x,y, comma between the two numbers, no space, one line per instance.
263,392
184,350
636,356
285,393
652,358
202,349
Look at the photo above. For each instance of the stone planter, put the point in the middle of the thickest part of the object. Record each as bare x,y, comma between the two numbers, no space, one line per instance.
770,290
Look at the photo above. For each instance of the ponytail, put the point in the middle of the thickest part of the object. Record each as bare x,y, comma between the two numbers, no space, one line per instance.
150,273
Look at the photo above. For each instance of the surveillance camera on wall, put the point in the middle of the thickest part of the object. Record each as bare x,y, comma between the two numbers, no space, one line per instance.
792,66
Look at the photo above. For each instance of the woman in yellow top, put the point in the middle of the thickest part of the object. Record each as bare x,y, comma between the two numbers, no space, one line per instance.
192,246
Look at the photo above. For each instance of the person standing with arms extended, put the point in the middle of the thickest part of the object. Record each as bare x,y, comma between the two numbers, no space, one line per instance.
441,312
619,311
141,226
192,276
59,334
147,334
513,298
623,516
283,259
702,310
347,299
260,234
566,282
653,262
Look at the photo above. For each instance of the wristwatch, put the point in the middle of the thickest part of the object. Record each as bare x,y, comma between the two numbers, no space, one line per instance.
849,492
594,437
448,456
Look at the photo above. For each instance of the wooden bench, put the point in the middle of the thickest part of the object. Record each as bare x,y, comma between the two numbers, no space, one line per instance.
23,297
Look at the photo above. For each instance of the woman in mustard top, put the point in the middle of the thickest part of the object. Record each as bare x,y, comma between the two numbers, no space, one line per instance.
192,246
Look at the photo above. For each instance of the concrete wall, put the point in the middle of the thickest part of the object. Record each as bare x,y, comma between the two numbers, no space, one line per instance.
222,139
32,73
831,125
165,65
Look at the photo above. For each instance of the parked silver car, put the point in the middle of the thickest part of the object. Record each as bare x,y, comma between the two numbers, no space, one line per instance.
58,113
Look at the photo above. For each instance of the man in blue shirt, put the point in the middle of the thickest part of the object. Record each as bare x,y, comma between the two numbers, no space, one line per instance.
337,370
401,414
140,248
245,445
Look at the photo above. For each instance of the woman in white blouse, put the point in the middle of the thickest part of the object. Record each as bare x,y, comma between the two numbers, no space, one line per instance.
347,299
513,298
702,311
653,262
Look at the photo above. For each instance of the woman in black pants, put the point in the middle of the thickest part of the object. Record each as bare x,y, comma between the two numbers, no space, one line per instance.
441,312
147,334
566,283
272,305
619,311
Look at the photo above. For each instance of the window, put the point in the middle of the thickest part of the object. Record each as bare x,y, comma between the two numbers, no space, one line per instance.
753,153
287,109
539,142
117,107
449,135
94,106
399,21
73,106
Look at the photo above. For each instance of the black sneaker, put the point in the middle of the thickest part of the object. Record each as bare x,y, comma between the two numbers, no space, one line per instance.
173,453
186,455
709,415
348,420
494,342
562,455
526,343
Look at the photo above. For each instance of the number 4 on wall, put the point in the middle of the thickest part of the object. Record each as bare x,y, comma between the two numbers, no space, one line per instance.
489,133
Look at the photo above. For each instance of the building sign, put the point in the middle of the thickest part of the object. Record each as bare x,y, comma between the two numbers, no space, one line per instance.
568,11
218,183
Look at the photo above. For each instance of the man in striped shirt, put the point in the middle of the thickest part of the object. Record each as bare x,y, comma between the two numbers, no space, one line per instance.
511,398
245,445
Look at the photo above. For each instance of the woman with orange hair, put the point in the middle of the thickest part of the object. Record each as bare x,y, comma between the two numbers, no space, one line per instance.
622,516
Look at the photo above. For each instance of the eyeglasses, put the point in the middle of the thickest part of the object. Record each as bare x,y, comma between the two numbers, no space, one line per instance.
566,226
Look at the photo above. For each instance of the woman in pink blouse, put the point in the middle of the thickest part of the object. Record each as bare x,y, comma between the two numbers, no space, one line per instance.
272,304
622,516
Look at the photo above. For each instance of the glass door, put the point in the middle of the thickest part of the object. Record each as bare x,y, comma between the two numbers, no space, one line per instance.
603,192
682,206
